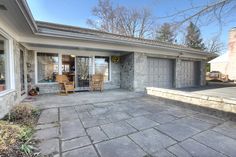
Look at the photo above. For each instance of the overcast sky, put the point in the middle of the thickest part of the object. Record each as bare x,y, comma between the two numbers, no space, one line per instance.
76,12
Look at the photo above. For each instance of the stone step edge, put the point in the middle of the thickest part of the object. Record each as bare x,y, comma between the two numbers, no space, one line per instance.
222,104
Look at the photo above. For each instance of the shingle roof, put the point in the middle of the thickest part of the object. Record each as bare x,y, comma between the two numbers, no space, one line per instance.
103,34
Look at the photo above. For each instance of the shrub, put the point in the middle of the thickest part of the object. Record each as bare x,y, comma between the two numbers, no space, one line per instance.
9,135
17,131
24,114
21,111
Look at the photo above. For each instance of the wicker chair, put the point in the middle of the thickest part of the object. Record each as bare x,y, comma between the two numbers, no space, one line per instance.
64,83
96,82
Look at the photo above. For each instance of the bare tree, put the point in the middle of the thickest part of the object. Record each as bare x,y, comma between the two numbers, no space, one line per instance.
121,20
217,11
214,45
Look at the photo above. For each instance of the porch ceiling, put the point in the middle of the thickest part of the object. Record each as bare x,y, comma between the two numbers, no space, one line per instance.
44,47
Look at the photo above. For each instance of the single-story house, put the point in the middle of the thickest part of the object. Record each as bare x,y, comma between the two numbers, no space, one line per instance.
33,52
226,63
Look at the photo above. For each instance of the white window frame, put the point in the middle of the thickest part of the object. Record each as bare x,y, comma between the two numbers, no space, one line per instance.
60,64
109,76
36,66
10,66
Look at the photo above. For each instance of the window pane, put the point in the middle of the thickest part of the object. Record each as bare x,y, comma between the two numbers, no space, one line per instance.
102,67
2,65
47,67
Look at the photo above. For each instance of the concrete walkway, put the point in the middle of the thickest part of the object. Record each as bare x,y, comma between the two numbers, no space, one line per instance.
129,125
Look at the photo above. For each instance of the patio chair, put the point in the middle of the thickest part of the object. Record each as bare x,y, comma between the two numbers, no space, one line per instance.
64,83
96,82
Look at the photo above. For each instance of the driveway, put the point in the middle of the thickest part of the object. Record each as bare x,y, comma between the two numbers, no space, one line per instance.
135,126
216,89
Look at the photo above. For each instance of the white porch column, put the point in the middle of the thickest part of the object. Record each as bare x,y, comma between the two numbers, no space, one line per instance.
60,64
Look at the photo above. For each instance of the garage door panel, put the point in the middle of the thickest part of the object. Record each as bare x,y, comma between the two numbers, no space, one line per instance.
188,74
161,74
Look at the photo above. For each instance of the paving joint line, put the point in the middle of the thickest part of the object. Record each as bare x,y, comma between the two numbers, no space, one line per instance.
89,136
59,124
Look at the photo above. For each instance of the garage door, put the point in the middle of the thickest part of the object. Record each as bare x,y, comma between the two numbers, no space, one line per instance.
189,74
160,73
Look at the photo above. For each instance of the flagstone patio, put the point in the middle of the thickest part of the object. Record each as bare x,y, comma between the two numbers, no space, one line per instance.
129,125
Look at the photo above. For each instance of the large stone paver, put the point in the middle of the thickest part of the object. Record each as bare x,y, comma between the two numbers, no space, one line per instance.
133,127
137,112
48,116
118,116
72,129
191,147
81,152
151,140
227,128
47,133
120,147
96,134
179,113
161,117
163,153
218,142
84,108
117,129
99,111
209,118
75,143
68,113
94,121
177,131
141,123
194,123
49,147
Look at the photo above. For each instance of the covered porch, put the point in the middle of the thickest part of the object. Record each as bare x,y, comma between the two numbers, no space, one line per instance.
45,62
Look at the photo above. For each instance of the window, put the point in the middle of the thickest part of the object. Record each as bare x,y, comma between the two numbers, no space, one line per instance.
102,67
3,64
47,67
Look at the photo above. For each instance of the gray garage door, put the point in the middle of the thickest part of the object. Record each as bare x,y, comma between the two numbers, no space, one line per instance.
160,73
189,74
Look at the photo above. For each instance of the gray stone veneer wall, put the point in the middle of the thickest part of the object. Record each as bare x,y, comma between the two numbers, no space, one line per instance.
177,81
31,66
140,72
202,73
127,71
48,88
